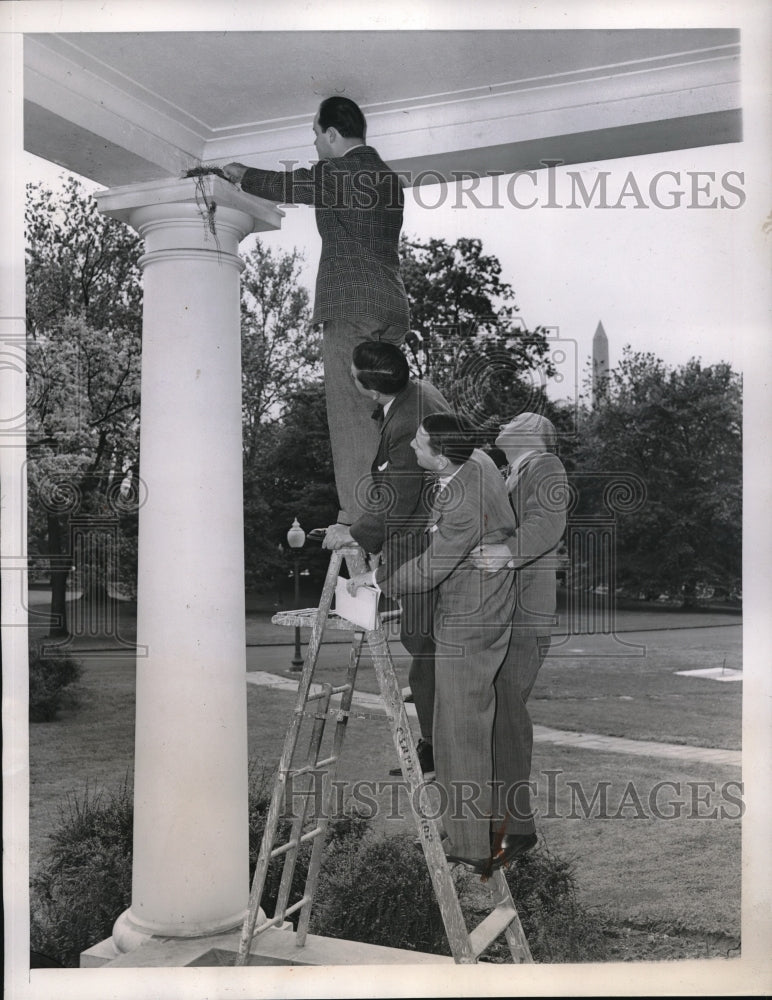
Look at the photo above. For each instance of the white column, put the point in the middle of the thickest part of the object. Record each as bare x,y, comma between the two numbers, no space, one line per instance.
190,874
13,520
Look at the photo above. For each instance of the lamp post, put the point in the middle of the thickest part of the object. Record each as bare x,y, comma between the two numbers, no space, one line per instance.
296,538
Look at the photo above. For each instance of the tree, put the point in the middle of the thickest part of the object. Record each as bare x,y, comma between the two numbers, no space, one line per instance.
680,431
79,263
466,335
280,356
83,430
279,348
83,325
292,476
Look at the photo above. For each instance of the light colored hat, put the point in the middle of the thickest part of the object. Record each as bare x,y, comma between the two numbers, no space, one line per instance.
532,425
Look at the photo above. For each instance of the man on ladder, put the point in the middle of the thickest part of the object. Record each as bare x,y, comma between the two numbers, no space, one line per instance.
395,511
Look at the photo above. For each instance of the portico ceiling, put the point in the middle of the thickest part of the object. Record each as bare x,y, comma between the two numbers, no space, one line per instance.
131,107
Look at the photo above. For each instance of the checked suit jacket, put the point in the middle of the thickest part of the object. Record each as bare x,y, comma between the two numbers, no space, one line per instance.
358,201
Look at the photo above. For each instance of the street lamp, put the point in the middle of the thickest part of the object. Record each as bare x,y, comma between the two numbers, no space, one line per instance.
296,538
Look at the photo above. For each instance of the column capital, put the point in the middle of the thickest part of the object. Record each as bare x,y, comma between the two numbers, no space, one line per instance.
173,213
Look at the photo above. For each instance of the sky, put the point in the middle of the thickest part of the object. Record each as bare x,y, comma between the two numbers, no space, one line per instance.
660,279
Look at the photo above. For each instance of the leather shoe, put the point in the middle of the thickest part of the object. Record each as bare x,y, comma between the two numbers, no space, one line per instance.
512,844
478,866
425,753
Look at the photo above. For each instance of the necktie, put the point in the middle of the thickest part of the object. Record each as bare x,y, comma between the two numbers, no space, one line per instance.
377,415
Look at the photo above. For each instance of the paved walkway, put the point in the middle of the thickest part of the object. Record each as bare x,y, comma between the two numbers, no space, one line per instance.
368,704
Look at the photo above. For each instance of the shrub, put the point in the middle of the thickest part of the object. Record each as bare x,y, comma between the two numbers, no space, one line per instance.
377,889
261,781
84,882
557,926
51,679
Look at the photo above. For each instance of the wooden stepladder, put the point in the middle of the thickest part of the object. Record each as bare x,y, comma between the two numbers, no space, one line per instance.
465,946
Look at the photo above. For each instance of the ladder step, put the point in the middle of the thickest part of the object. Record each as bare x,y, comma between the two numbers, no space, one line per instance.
280,918
297,906
308,768
317,695
491,927
311,835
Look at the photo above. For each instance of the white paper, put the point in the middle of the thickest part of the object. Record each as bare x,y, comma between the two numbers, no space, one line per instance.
361,610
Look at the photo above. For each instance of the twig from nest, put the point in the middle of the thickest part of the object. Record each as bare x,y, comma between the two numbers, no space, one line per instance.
207,206
205,171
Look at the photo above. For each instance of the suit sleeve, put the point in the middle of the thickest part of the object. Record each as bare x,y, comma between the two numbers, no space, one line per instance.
542,519
451,542
323,185
291,187
399,499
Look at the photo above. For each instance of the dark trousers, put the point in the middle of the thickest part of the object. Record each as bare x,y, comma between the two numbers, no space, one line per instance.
513,728
416,636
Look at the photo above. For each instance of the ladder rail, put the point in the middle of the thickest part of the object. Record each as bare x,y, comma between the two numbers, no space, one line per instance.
285,763
341,723
314,745
428,828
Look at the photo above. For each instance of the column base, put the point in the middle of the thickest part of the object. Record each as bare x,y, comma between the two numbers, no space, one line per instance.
129,935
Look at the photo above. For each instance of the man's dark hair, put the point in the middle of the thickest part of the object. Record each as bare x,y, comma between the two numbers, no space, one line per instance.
449,436
342,114
382,366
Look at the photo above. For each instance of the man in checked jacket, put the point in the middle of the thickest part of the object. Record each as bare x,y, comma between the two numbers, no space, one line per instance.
359,290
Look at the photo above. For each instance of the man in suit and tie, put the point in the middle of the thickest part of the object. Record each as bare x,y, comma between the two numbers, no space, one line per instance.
538,492
360,295
472,627
394,509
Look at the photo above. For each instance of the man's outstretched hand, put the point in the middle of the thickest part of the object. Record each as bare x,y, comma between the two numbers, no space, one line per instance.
234,172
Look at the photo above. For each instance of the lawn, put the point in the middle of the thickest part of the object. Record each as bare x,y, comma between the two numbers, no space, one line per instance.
638,697
643,697
672,885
